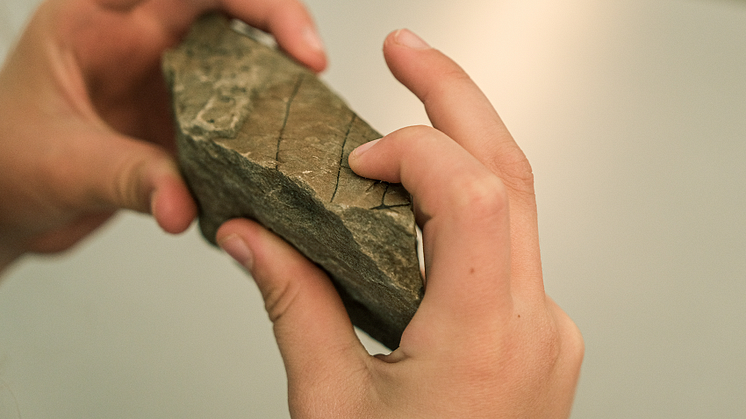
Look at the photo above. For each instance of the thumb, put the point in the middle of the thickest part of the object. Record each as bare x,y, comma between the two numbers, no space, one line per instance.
140,176
312,328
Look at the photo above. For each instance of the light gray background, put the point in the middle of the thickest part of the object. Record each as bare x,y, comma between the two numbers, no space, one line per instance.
633,115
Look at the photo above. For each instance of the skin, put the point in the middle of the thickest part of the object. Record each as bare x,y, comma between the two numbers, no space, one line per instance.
86,131
486,342
87,128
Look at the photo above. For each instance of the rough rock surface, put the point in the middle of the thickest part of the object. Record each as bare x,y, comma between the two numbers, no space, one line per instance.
261,137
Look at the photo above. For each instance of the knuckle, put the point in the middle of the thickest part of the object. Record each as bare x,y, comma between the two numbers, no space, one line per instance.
516,172
440,91
573,342
127,190
548,344
559,343
509,162
280,291
418,134
482,195
412,140
278,299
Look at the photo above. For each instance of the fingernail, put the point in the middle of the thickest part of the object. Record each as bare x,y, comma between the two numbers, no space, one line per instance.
234,246
363,148
408,39
313,40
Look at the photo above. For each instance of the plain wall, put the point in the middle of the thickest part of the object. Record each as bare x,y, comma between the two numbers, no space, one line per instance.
633,114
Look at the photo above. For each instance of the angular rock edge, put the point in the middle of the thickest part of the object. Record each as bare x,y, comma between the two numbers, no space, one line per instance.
261,137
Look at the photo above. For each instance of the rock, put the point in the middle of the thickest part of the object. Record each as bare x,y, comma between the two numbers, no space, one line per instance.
261,137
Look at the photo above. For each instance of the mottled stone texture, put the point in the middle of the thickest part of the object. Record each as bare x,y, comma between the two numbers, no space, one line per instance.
261,137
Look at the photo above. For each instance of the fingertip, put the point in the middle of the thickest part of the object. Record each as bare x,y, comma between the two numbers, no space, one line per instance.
293,26
379,159
290,23
235,227
317,60
305,45
367,159
406,38
235,246
234,237
172,206
400,43
355,155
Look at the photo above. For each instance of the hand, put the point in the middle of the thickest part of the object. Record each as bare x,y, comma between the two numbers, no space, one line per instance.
86,124
486,340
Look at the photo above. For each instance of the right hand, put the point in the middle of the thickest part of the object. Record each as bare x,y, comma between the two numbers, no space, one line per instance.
486,341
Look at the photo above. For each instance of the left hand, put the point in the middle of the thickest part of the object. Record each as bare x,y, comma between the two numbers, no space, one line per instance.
86,124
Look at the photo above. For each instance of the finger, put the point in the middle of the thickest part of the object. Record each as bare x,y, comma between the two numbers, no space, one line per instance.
313,331
464,215
146,179
103,170
439,83
288,20
290,23
457,107
171,204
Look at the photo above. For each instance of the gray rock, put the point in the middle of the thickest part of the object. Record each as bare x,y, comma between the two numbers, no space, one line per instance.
261,137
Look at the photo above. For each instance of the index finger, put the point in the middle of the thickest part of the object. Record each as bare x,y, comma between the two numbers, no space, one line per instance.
455,105
458,108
